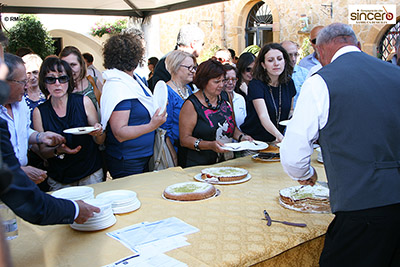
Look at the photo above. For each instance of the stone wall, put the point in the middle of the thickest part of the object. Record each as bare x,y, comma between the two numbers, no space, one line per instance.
224,23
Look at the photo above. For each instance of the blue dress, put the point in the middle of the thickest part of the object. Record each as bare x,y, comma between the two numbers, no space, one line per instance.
174,106
131,156
258,89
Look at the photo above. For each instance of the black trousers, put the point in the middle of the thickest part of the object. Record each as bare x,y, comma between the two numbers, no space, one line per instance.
364,238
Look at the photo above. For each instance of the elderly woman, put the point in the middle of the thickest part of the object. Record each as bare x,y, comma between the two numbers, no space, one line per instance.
270,95
127,111
182,67
244,69
205,121
33,96
78,161
238,102
84,85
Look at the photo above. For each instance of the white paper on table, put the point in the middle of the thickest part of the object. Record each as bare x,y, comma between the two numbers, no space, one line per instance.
158,247
155,261
148,232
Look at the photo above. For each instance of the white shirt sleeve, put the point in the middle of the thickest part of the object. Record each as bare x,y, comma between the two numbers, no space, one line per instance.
76,209
310,115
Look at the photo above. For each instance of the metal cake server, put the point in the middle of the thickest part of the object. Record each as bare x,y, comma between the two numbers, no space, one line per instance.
269,221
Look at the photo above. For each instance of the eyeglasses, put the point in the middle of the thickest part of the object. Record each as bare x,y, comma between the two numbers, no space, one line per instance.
23,82
232,80
52,80
314,41
248,69
190,68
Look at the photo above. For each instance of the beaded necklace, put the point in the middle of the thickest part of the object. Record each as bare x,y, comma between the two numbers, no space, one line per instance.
277,114
209,104
180,93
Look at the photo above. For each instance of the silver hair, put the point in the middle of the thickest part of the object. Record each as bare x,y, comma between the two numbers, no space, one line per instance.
135,31
334,30
189,33
12,62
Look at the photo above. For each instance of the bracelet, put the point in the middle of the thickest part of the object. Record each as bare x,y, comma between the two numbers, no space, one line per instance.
59,156
196,144
240,137
38,138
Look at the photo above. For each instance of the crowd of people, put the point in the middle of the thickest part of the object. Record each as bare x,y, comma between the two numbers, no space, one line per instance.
221,100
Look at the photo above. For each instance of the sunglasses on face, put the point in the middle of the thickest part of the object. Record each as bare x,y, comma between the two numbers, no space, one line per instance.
314,41
248,69
52,80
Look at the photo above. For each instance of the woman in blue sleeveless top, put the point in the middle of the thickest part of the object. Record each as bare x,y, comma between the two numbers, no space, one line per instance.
127,111
77,162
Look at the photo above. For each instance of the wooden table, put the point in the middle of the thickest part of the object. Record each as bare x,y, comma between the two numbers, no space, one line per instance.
231,230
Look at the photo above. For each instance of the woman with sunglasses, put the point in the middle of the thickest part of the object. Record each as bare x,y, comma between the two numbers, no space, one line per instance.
182,67
244,69
78,161
205,121
270,95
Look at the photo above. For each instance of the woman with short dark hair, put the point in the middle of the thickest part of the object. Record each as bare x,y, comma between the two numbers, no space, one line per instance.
127,111
270,95
78,161
205,121
244,66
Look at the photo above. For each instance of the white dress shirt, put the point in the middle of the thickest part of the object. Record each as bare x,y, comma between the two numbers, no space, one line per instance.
19,128
239,108
310,116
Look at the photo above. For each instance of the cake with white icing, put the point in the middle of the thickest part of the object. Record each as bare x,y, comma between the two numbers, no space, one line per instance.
306,199
189,191
224,174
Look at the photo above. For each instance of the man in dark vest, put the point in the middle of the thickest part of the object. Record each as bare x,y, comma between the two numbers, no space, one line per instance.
352,107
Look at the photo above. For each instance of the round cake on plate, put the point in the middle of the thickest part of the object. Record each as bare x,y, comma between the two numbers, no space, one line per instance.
224,174
189,191
314,199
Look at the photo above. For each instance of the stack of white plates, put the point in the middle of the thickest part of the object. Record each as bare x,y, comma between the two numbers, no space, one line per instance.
123,201
75,193
104,219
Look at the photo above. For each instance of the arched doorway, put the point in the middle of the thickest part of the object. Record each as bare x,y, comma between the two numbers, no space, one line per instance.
259,25
386,45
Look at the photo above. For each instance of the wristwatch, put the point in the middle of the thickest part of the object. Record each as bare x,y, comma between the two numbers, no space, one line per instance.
196,144
59,156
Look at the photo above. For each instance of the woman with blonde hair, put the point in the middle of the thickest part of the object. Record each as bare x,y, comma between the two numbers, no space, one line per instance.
182,67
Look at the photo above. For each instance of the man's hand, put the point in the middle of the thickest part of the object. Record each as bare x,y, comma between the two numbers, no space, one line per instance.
35,174
310,181
86,211
52,139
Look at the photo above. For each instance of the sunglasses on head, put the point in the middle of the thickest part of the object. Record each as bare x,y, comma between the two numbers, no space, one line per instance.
52,80
248,69
314,41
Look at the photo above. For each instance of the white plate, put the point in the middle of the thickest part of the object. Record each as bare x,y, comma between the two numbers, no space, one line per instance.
97,227
129,208
75,193
284,123
200,179
80,130
160,96
118,196
245,145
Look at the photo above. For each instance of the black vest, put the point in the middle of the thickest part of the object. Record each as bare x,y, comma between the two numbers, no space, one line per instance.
361,140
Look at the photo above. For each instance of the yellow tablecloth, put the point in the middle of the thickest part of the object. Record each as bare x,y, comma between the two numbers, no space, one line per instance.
231,230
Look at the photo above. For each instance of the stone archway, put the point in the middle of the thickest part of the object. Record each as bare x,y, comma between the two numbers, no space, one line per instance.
242,11
83,43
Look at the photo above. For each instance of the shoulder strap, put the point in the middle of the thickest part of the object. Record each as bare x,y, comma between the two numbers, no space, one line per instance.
96,90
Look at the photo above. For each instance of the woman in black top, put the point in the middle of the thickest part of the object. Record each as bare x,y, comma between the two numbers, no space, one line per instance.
270,95
206,121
